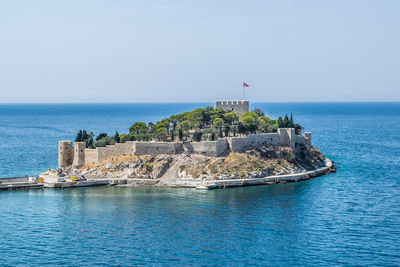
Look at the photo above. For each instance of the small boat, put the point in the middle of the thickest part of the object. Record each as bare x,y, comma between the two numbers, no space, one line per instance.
76,179
61,180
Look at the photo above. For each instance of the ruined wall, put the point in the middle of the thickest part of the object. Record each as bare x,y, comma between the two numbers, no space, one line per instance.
65,153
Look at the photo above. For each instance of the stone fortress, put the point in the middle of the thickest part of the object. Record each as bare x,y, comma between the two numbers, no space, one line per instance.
78,155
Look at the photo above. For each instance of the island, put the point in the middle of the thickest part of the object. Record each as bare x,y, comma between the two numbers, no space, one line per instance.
213,147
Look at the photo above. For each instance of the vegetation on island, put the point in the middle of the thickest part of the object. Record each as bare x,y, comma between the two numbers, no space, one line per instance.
201,124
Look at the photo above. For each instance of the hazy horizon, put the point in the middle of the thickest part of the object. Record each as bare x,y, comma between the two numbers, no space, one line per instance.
158,51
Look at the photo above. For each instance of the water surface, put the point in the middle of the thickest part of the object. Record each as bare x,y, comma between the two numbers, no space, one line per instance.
348,218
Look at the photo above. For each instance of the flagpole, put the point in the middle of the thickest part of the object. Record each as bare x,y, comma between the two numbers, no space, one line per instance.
243,91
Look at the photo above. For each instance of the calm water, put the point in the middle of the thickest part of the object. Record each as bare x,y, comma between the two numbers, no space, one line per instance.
348,218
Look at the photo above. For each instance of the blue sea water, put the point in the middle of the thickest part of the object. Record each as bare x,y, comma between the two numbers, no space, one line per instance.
348,218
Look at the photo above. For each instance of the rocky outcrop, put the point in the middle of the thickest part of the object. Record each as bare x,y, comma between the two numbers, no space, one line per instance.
262,162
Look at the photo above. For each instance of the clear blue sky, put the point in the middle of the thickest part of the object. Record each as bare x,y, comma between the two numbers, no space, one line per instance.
176,50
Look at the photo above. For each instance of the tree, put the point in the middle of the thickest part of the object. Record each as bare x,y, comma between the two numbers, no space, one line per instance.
124,138
138,128
161,133
291,123
259,112
241,128
231,117
117,137
212,136
101,136
197,136
218,122
180,134
78,137
226,130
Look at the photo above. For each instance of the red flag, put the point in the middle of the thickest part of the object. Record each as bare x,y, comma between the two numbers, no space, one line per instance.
245,85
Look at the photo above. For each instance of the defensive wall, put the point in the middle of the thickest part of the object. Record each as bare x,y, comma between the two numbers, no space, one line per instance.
79,155
239,106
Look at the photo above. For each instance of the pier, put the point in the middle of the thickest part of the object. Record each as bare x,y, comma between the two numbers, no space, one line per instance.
19,183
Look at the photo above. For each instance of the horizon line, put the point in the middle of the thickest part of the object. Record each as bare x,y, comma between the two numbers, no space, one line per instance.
193,102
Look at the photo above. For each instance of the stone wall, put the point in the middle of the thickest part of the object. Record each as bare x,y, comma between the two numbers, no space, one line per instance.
284,137
79,154
155,148
207,148
65,153
91,156
240,106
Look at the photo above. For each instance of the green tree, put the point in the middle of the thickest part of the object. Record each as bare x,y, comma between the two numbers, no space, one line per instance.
231,117
161,133
124,138
101,136
197,136
218,122
117,138
259,112
180,134
138,128
78,137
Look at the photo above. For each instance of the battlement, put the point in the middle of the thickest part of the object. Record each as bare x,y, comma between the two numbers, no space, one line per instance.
79,155
238,106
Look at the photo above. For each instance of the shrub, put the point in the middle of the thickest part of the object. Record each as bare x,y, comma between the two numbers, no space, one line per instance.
123,138
182,168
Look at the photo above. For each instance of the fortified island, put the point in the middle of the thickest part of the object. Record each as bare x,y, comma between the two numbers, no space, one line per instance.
225,146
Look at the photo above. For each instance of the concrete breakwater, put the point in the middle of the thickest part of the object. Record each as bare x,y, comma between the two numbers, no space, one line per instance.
19,183
329,167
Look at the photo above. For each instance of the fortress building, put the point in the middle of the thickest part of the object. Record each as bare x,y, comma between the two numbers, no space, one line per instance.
78,155
239,106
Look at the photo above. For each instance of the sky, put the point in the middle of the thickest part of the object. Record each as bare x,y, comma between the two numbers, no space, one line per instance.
199,50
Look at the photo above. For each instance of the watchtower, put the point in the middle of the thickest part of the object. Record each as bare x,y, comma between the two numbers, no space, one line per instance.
238,106
65,153
79,154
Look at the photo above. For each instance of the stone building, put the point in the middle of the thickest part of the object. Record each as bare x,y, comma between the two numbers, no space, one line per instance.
239,106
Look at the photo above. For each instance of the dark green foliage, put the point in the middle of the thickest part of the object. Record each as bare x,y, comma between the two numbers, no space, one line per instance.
259,112
241,128
226,130
117,137
138,128
101,136
180,134
197,136
212,136
202,123
124,138
83,136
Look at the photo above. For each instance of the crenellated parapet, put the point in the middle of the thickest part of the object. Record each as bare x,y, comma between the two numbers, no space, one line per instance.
78,155
238,106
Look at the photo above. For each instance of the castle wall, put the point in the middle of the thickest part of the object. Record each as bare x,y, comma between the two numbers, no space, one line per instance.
208,148
65,153
240,106
79,154
284,137
155,148
91,156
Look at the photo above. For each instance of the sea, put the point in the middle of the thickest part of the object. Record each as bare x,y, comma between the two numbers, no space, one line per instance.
349,218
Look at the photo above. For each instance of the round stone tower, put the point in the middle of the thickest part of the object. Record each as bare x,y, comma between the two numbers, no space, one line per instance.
79,154
65,153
